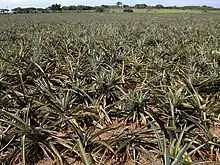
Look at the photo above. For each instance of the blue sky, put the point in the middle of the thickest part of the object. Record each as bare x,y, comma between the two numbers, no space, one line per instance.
45,3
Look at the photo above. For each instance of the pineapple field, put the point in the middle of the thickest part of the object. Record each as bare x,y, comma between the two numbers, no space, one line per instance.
109,89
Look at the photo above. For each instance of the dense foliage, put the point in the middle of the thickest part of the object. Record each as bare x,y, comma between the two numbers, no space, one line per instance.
59,8
109,88
128,10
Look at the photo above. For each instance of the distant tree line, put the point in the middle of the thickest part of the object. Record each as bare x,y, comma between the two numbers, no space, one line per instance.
159,6
53,8
59,8
27,10
79,7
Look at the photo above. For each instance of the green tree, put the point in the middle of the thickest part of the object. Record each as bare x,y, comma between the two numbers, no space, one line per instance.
105,6
141,6
159,6
65,8
126,6
119,4
40,9
17,10
4,11
56,7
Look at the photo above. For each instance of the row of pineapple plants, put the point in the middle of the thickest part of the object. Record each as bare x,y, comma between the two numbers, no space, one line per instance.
109,89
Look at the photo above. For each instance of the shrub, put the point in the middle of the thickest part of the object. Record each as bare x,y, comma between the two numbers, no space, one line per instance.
100,10
128,10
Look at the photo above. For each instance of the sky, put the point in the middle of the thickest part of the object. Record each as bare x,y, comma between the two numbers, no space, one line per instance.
45,3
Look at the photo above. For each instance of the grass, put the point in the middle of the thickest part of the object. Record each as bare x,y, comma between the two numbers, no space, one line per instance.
99,88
